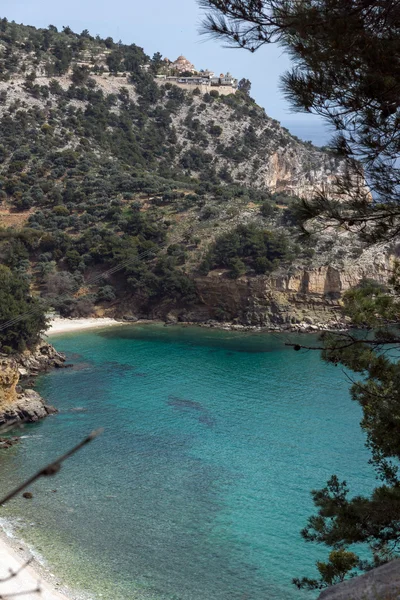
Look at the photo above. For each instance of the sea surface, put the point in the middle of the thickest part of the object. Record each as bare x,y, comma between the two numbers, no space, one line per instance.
200,484
310,129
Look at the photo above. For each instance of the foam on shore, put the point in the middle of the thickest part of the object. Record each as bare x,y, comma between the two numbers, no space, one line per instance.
12,557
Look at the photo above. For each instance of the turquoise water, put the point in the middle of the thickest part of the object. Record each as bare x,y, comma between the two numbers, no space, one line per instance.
199,486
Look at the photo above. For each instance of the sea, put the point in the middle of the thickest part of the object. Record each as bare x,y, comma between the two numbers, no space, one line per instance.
200,483
310,129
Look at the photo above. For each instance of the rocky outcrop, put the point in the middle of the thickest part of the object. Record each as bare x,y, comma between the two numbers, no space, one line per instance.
28,406
43,358
382,583
302,296
264,302
299,299
17,403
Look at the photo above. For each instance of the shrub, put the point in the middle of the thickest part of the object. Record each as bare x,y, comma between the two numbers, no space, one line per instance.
267,209
105,294
15,300
248,243
215,130
237,268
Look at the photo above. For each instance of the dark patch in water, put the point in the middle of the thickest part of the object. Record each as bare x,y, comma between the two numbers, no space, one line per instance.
184,403
207,420
73,356
80,366
189,406
118,368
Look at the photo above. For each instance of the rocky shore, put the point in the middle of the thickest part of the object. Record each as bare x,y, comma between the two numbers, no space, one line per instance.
301,327
18,402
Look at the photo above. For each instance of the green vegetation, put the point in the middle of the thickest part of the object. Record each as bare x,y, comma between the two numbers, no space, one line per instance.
248,246
15,300
344,520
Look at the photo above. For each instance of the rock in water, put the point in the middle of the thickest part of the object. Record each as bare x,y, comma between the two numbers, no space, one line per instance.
382,583
28,406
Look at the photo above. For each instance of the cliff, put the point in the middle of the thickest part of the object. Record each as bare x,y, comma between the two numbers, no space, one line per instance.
16,402
299,298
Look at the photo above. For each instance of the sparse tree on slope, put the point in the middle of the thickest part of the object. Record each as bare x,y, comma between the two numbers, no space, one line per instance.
244,86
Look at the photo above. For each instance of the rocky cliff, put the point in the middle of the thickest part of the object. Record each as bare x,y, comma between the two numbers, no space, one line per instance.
382,583
300,298
18,403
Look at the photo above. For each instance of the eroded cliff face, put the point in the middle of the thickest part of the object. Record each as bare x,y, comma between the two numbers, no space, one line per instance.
299,299
17,403
299,170
9,377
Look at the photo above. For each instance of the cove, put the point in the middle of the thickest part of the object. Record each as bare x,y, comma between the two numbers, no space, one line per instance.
200,484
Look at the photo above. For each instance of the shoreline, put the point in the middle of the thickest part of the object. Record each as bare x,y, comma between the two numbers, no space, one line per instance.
61,325
14,554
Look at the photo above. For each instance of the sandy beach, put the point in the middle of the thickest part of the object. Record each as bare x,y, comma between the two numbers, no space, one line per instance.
13,552
12,557
60,325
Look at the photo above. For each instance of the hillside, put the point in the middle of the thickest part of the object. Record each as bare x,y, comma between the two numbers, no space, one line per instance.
189,197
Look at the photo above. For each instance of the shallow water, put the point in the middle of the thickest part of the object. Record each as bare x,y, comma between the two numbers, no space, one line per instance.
199,486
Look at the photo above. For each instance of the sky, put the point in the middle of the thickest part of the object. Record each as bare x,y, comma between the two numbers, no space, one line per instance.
172,28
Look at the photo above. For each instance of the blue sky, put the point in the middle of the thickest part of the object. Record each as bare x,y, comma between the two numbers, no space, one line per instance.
171,27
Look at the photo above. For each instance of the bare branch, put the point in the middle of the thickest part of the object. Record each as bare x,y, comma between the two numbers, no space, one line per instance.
16,573
352,342
14,594
52,468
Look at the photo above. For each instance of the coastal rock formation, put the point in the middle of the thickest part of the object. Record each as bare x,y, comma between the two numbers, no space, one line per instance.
43,358
28,406
16,403
163,163
299,299
382,583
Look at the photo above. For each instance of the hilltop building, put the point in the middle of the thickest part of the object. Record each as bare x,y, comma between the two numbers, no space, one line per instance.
203,79
182,65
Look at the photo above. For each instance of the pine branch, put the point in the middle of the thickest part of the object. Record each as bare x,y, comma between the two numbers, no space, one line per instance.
52,468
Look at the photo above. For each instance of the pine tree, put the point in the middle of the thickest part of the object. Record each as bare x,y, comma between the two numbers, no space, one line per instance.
16,301
346,69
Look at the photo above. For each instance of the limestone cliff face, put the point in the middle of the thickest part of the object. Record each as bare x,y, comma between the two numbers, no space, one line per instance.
299,170
16,403
256,149
9,377
297,298
300,296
